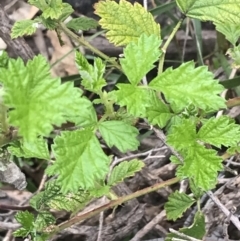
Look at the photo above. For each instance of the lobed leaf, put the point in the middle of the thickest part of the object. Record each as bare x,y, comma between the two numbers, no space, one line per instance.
53,198
82,23
220,131
35,149
53,10
36,101
123,170
23,27
177,204
26,219
92,75
139,57
202,165
188,85
80,160
223,11
125,22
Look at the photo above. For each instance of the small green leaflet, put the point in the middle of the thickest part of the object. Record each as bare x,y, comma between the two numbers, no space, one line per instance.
139,57
42,5
43,220
26,219
202,165
183,135
80,160
158,113
23,27
234,54
123,170
125,22
37,101
35,149
197,192
53,10
53,198
92,75
220,131
188,85
177,204
136,98
230,30
82,23
67,10
197,230
119,134
224,11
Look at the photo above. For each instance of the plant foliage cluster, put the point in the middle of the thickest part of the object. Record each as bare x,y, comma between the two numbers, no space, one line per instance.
182,101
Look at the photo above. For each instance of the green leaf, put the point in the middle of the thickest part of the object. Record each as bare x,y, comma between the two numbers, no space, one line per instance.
3,59
197,230
177,204
87,115
224,11
80,160
53,198
43,220
230,30
220,131
233,150
134,65
39,4
183,135
125,22
54,9
37,101
48,23
234,54
92,75
119,134
197,192
26,219
188,85
67,10
158,113
202,165
123,170
38,149
23,27
136,98
82,23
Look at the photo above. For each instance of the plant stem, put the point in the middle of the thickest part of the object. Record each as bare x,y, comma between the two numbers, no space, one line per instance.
165,46
116,202
86,44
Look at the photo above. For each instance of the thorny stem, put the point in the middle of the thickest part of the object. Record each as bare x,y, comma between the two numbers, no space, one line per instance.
86,44
116,202
165,46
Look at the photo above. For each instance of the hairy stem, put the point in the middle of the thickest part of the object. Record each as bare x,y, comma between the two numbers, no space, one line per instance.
116,202
165,46
86,44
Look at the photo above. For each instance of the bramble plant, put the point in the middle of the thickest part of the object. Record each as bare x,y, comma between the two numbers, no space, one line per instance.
181,100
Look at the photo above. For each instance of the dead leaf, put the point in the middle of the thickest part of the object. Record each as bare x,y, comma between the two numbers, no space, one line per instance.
67,65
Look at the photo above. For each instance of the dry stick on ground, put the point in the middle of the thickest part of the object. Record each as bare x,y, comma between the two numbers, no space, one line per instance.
233,218
147,228
19,46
